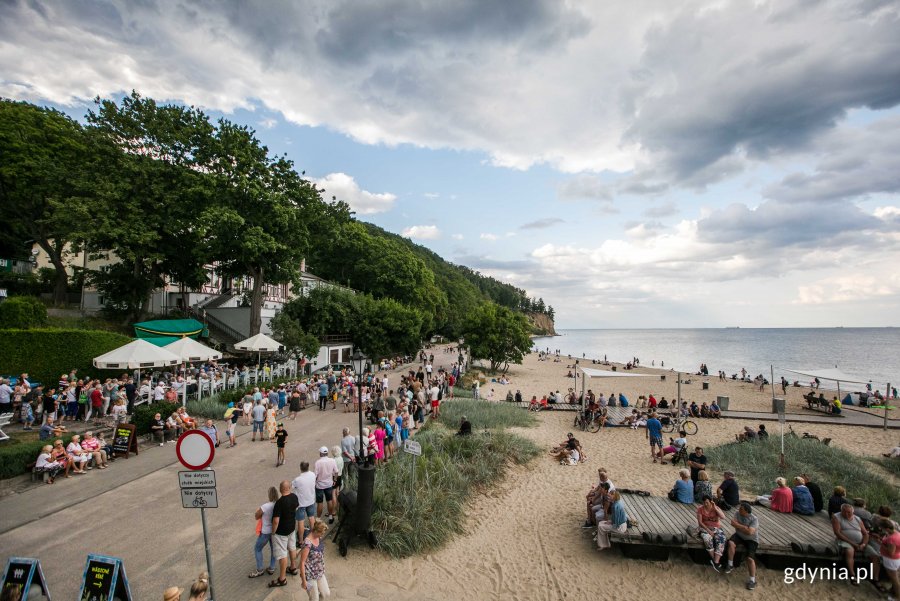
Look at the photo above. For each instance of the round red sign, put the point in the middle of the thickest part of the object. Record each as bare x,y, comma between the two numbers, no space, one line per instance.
195,450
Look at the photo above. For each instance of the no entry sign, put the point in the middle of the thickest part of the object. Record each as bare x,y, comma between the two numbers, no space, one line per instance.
195,450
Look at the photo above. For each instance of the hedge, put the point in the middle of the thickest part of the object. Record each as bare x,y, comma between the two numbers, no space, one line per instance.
15,455
45,354
22,312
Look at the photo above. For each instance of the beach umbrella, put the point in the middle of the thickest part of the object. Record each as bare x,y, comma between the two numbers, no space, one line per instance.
189,350
259,344
137,354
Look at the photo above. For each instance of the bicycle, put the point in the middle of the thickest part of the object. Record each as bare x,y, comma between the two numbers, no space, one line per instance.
677,423
589,422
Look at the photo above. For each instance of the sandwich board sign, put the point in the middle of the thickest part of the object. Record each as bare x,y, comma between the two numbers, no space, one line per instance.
104,580
125,440
23,573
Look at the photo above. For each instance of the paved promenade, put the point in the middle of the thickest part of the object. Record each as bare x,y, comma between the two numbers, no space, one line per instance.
133,511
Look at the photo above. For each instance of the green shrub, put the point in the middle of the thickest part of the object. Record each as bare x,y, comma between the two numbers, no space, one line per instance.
143,414
15,455
755,465
207,407
450,469
45,353
22,312
21,284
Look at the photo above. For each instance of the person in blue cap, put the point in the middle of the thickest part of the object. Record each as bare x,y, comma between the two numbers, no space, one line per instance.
231,416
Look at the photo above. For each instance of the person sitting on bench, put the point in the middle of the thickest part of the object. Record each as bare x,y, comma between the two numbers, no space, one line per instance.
781,499
45,463
834,407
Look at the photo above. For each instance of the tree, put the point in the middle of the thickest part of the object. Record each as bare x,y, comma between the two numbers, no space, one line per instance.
45,163
498,335
258,228
289,332
158,160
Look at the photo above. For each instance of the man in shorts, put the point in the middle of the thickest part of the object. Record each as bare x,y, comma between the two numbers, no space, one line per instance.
304,486
284,540
259,419
435,392
746,535
326,473
654,435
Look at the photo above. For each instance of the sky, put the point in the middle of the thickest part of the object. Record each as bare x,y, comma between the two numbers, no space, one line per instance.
639,164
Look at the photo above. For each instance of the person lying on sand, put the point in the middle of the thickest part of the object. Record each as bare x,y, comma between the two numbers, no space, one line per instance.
747,435
893,453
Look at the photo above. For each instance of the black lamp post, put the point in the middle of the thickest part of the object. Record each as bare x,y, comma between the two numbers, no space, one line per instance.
365,487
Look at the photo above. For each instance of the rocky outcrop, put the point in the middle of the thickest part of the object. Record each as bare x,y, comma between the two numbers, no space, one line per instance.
541,324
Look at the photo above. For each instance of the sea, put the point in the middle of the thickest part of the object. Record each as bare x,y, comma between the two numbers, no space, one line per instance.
871,354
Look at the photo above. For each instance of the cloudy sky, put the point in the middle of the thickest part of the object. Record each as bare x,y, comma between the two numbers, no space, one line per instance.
639,164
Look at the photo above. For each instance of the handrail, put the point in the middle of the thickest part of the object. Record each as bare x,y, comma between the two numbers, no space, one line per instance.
217,324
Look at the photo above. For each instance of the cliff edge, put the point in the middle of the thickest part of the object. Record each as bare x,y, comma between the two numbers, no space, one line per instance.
541,324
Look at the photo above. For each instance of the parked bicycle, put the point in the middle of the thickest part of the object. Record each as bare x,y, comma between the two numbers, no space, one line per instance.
677,423
590,421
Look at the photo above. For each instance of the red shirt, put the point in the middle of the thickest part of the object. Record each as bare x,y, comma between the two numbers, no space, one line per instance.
893,539
782,500
96,398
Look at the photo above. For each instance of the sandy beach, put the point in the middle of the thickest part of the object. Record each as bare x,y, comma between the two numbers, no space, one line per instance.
523,539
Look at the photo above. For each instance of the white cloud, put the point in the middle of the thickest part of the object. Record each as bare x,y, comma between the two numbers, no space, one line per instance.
344,187
431,195
457,236
489,237
422,232
268,123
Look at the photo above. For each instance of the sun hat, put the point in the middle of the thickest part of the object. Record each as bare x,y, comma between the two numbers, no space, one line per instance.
323,451
230,405
173,593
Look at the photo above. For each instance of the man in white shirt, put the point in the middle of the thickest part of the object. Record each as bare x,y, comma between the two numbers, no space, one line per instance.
159,393
5,397
326,473
304,486
435,392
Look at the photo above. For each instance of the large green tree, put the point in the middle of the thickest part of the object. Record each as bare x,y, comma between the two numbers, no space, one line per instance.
46,162
146,214
259,224
497,334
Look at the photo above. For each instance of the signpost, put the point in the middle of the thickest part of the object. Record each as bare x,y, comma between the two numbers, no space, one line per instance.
125,440
195,450
104,579
415,449
23,572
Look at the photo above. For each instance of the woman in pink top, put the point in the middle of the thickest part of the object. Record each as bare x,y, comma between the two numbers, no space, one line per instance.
380,434
781,499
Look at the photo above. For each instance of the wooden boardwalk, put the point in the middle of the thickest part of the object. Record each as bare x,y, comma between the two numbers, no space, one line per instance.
665,524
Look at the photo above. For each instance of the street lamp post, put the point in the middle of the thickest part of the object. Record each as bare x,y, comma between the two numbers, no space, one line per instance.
365,487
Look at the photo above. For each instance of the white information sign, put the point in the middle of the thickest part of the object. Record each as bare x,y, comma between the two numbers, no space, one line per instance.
412,447
198,479
199,498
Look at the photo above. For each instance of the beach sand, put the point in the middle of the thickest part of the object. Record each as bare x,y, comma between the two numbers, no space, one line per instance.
523,538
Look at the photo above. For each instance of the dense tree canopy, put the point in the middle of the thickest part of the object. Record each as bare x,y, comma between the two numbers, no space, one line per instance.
498,335
163,192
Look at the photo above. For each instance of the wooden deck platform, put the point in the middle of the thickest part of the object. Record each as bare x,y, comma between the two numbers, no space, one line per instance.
666,525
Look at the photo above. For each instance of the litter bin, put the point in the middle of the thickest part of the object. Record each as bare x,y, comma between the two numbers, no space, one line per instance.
663,377
777,405
722,402
614,368
706,386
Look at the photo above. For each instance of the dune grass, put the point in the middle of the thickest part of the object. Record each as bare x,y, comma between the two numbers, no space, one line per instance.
756,465
890,464
486,414
450,470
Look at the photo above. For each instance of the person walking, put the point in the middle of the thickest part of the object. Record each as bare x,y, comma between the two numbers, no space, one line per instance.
259,419
280,438
312,562
326,475
232,414
264,535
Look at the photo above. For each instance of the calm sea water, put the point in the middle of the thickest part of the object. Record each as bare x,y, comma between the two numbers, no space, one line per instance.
870,353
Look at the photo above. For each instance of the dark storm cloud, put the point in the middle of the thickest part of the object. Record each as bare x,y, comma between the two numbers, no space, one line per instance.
774,226
541,223
356,31
856,162
710,87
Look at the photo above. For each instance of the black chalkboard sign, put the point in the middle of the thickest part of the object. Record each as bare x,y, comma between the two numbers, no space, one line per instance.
24,573
125,440
104,580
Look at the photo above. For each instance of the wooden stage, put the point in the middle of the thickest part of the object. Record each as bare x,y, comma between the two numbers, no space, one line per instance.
664,525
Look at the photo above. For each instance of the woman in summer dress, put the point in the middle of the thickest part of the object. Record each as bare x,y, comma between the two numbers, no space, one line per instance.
271,425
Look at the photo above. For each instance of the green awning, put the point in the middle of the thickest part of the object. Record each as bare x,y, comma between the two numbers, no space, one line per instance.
161,341
173,328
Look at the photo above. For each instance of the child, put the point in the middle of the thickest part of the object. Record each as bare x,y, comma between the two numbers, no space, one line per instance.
280,437
120,412
27,414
